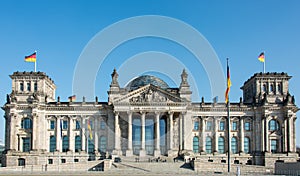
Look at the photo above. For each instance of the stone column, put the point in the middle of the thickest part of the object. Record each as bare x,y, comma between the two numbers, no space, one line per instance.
290,133
242,135
34,132
180,133
262,134
96,137
170,152
267,147
216,135
117,147
143,151
293,142
157,135
284,136
83,134
71,135
58,134
129,148
203,134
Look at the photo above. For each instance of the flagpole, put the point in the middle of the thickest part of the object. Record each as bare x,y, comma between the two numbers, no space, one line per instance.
228,125
264,62
35,62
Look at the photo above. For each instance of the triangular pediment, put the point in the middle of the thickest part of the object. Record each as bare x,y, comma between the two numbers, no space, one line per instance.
149,94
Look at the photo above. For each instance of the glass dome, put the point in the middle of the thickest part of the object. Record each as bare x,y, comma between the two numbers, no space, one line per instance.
145,80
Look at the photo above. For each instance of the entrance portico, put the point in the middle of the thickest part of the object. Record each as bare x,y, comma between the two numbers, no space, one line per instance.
148,133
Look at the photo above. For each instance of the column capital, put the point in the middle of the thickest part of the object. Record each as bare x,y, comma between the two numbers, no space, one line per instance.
116,113
157,113
171,112
183,113
129,112
143,113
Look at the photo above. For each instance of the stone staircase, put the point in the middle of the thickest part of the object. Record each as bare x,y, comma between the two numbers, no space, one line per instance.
149,166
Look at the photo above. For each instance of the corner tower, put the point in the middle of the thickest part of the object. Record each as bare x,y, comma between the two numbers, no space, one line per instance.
24,111
267,88
32,86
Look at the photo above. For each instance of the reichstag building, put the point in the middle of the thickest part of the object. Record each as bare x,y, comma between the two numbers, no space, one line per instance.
148,118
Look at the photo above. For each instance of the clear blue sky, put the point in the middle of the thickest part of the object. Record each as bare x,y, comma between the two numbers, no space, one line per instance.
59,30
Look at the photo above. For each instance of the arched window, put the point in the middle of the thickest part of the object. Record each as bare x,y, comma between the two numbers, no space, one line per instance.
247,145
196,144
77,143
102,144
234,145
65,143
208,145
91,146
26,123
273,125
52,145
221,144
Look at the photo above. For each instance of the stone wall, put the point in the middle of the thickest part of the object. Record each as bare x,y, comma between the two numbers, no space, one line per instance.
270,159
223,168
287,168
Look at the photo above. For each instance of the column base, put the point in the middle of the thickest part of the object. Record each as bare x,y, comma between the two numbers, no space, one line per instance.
142,153
172,153
117,152
129,153
156,153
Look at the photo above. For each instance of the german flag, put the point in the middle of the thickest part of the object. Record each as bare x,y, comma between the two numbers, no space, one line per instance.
228,85
72,98
31,58
261,57
90,129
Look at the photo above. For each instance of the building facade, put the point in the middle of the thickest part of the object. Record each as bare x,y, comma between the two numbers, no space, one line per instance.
148,118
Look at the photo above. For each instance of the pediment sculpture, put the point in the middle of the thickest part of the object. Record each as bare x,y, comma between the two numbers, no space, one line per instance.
149,96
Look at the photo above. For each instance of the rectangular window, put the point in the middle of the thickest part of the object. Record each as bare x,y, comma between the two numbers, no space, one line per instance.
52,124
273,145
247,126
26,144
77,124
65,124
234,126
29,86
208,125
21,86
196,125
63,160
50,161
35,87
102,125
92,124
76,160
222,126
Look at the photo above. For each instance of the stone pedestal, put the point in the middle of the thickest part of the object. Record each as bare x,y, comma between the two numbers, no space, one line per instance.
172,153
117,152
129,153
156,153
142,153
